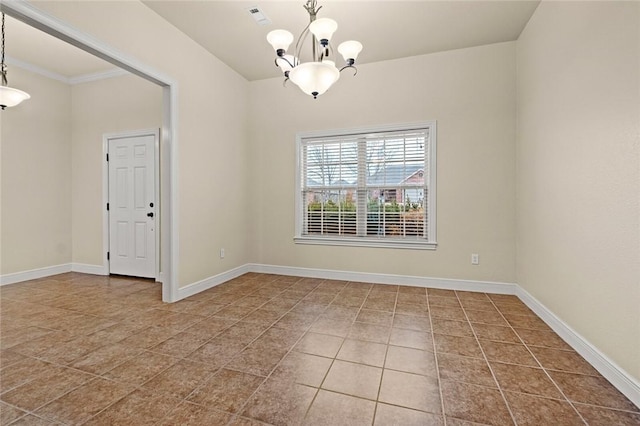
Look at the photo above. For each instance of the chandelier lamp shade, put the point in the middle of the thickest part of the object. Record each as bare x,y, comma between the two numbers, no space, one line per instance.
8,96
317,75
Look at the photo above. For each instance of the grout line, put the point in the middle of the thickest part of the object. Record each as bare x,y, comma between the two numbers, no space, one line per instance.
486,360
313,400
386,352
435,357
539,363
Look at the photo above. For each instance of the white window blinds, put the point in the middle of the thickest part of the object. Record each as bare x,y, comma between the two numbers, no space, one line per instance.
370,185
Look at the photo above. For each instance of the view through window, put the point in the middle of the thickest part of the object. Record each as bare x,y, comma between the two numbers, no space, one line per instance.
368,186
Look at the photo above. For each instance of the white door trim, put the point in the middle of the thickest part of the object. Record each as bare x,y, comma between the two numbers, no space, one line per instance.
31,15
105,190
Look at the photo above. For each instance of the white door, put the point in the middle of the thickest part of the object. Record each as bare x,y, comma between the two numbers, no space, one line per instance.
132,206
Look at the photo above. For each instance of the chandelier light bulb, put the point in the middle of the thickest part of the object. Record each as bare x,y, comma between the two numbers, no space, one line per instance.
350,50
280,40
323,29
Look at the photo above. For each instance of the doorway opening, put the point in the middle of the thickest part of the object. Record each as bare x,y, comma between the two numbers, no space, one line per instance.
167,267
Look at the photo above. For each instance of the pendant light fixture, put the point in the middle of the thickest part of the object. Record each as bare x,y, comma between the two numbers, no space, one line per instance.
318,75
9,96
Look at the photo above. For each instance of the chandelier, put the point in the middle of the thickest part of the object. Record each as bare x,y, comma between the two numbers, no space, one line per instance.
8,96
318,75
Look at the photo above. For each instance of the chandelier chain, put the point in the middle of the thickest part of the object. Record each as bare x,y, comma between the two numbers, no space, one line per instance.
2,65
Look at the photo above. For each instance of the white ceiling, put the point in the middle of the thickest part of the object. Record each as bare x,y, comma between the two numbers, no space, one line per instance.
33,47
387,29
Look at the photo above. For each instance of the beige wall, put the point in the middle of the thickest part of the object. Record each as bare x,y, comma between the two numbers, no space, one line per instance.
36,176
471,94
105,106
211,132
578,162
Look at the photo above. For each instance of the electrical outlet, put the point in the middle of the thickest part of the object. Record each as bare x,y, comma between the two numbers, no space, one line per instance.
221,253
475,259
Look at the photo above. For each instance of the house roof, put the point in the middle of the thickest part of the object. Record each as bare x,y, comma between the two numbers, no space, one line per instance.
393,174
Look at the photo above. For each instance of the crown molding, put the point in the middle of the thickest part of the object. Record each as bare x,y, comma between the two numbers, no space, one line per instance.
83,78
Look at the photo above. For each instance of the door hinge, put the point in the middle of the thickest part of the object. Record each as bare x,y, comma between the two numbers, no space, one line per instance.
108,255
107,156
107,206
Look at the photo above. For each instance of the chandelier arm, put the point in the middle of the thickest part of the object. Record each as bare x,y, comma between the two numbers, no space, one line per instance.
301,40
355,70
284,59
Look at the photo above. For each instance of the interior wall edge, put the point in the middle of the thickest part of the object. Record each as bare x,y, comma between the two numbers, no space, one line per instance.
618,377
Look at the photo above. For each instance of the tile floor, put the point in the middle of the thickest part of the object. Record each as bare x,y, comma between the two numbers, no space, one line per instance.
267,349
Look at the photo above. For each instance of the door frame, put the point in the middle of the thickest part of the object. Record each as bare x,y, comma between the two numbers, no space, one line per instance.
33,16
106,236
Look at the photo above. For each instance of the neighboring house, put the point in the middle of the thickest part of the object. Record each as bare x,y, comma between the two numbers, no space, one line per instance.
400,175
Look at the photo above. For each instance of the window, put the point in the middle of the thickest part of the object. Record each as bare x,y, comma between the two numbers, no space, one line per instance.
367,187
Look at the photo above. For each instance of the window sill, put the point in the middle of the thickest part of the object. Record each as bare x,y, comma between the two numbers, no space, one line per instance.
367,242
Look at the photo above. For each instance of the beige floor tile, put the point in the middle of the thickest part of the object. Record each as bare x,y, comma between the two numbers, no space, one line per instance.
474,403
227,390
362,352
411,361
455,345
390,415
353,379
9,413
411,339
508,353
531,410
375,317
140,407
599,416
140,368
280,403
331,408
180,379
523,379
319,344
301,368
195,415
45,388
410,391
369,332
84,402
465,369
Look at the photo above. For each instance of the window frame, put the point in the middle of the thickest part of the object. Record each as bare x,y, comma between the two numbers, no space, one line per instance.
370,241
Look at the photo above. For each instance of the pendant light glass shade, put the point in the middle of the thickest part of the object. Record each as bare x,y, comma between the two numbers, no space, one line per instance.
280,39
315,78
11,97
350,49
8,95
323,28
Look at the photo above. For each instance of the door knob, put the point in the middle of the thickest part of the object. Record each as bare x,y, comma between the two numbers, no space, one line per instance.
150,214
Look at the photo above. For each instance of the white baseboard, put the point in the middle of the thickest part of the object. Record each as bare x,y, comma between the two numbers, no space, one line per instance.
213,281
618,377
414,281
89,269
34,274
